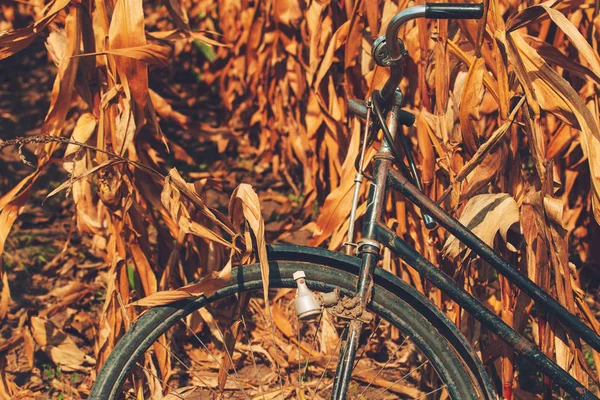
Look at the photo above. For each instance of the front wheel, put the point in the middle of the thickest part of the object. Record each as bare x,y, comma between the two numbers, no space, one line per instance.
225,347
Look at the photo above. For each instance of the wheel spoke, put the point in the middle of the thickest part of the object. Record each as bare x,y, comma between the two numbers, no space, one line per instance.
432,392
312,346
383,367
280,379
217,360
229,355
365,347
299,353
333,353
400,379
186,367
256,374
271,328
160,380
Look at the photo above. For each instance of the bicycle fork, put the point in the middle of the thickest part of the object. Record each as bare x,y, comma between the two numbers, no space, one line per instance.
368,250
309,305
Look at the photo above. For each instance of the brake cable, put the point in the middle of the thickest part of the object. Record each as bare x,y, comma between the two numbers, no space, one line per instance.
398,159
413,174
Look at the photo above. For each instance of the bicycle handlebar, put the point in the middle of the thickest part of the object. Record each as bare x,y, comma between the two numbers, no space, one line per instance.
391,33
359,107
428,10
453,11
388,52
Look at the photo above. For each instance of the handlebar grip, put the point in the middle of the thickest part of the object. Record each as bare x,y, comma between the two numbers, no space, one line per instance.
453,11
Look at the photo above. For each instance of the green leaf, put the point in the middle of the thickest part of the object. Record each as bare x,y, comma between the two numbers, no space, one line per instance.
131,277
206,50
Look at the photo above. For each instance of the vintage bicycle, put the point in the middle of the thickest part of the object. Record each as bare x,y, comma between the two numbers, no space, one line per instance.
360,299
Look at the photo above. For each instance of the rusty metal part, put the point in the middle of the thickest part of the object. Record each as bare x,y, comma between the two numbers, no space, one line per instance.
350,308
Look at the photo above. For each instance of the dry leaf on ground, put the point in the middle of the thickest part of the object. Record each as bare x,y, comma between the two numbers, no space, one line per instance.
59,346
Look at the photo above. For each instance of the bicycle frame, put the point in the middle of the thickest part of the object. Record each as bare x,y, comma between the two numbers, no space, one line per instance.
388,52
375,232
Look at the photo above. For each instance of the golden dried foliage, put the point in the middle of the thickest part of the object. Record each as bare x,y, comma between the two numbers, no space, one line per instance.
507,122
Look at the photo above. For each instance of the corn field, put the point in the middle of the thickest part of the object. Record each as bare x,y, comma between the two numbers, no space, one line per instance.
146,145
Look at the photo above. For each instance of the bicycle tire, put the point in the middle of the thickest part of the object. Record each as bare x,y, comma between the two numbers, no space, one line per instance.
323,274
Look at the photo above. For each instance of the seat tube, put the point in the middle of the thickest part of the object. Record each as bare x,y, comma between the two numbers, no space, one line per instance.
368,249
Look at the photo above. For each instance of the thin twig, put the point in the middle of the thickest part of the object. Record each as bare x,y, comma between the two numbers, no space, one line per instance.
192,197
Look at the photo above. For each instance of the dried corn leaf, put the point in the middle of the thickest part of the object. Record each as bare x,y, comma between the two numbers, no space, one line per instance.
171,200
206,286
427,150
64,84
85,127
17,40
339,202
555,94
554,56
469,105
179,34
143,268
11,205
178,14
4,295
530,14
486,215
89,172
287,12
151,54
442,79
127,31
282,321
244,209
164,109
484,171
